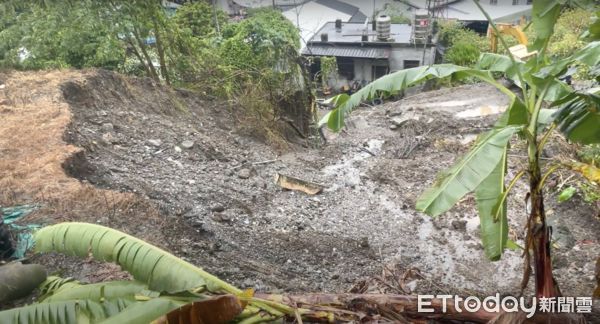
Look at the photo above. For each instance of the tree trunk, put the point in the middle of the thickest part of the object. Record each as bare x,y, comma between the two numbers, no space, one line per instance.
161,52
343,308
139,57
149,63
540,238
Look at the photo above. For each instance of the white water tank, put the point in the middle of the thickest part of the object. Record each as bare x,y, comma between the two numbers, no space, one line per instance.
384,27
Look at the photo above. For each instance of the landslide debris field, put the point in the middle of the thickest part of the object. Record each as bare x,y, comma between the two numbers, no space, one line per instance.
190,175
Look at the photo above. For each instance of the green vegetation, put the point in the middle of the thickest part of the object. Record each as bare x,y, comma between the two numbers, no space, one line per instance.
590,154
328,68
463,53
42,38
397,13
162,285
463,46
254,62
482,171
569,27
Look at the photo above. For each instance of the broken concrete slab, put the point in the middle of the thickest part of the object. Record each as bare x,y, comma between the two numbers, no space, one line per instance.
292,183
401,120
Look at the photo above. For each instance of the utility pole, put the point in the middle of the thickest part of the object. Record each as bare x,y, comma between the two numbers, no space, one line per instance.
273,4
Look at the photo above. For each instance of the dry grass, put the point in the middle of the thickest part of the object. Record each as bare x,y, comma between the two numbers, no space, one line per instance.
33,121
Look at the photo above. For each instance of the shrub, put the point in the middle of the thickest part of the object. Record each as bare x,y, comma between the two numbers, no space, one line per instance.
463,53
452,32
590,154
569,26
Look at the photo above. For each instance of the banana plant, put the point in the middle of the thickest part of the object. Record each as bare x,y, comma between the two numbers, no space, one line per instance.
164,289
482,171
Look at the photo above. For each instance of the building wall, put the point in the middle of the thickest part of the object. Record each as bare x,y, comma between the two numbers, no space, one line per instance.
401,54
363,68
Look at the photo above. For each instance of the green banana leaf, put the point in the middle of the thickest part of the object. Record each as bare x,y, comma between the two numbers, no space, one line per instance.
119,310
65,312
52,284
106,302
544,16
579,118
145,312
468,174
160,270
98,291
403,79
494,234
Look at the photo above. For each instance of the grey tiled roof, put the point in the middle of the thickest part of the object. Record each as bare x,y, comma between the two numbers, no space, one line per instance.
347,51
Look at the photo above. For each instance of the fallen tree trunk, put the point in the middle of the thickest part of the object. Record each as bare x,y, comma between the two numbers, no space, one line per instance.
386,306
404,309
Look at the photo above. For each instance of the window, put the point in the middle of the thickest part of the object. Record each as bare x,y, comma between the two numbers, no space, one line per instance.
411,63
346,67
377,71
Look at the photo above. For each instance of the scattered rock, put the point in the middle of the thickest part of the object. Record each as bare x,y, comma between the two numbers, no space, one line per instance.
187,144
244,173
364,242
108,139
217,208
248,283
119,169
468,139
393,126
399,121
459,224
108,127
221,217
177,149
155,142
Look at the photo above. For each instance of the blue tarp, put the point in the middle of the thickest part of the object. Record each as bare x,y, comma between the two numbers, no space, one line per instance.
24,232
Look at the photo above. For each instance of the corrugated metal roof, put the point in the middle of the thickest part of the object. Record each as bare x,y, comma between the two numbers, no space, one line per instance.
347,51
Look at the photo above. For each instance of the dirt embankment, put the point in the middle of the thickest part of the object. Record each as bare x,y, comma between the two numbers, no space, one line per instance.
219,207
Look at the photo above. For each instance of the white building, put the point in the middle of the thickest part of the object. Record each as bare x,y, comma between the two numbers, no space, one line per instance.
362,55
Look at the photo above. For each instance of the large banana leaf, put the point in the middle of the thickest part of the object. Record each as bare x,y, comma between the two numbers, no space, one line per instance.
544,15
502,63
579,118
160,270
65,312
99,291
403,79
547,76
588,55
468,174
121,302
494,233
145,312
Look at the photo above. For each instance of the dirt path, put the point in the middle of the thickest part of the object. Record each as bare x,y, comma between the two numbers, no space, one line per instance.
222,210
